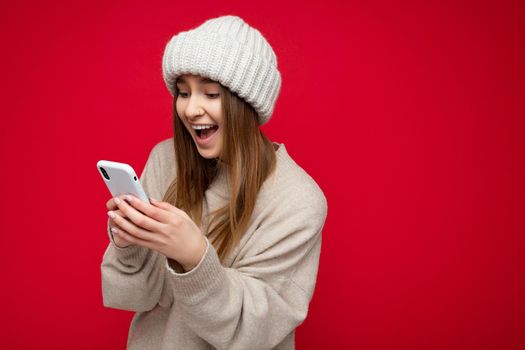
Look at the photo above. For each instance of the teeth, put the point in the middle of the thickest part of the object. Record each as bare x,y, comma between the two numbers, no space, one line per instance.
200,127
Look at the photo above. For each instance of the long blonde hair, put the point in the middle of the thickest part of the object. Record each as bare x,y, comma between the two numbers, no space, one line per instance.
247,155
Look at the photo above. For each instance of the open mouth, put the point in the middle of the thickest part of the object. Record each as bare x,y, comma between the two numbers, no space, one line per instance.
204,134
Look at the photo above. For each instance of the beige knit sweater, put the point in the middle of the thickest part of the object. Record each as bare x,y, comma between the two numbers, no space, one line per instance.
255,300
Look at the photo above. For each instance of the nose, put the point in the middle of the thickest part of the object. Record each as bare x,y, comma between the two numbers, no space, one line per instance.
193,108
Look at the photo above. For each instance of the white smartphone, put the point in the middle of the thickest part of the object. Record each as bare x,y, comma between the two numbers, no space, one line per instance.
120,178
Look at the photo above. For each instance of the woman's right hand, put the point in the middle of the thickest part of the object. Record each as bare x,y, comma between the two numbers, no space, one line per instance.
120,242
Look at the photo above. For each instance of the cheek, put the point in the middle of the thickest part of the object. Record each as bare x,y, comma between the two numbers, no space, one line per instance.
215,109
179,108
217,112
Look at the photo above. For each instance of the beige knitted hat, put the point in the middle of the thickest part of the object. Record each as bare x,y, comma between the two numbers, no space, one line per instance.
226,49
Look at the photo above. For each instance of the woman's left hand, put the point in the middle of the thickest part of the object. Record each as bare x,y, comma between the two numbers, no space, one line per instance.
162,227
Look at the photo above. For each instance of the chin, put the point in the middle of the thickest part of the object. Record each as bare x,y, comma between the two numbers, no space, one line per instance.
208,155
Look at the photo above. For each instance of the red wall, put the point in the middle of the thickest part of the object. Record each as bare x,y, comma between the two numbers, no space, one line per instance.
409,115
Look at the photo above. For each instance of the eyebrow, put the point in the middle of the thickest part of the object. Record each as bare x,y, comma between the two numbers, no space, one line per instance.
202,80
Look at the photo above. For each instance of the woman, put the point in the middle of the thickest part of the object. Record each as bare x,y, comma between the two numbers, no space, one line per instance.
229,258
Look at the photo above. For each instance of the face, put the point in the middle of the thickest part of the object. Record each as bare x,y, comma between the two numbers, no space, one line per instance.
199,108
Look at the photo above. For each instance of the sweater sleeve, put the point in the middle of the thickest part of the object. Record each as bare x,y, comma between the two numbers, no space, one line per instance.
132,277
265,295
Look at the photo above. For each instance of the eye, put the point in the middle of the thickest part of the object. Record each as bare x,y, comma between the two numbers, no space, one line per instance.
213,95
183,94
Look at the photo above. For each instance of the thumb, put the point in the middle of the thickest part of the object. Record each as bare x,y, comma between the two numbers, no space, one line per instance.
168,207
159,204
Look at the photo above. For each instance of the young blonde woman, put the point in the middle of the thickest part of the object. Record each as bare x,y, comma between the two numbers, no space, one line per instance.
227,255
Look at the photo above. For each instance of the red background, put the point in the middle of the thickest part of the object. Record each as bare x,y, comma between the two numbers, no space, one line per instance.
408,114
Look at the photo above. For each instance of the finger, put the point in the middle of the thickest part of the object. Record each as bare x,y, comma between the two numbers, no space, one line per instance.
119,213
168,207
122,234
110,204
156,213
133,229
112,223
115,232
137,217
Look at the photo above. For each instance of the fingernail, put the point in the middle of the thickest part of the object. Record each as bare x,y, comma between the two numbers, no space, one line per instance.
128,198
114,230
117,201
111,214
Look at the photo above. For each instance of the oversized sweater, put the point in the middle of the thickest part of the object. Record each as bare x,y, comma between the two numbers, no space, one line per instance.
255,299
